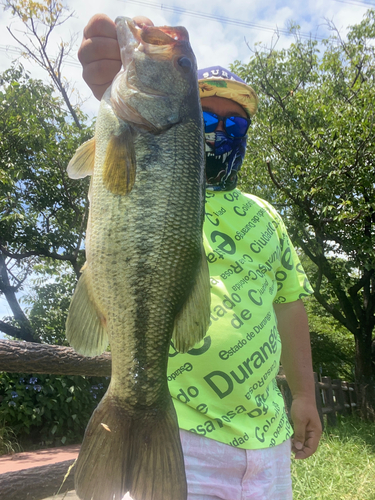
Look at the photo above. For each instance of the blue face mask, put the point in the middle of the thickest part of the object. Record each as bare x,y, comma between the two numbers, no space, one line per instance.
224,157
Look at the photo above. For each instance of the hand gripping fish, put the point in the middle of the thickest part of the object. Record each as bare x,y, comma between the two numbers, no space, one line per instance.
146,278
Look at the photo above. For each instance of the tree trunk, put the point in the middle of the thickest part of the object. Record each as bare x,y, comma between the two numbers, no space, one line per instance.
25,332
37,483
28,357
364,375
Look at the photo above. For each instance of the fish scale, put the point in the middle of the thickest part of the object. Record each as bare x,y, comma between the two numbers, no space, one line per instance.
145,280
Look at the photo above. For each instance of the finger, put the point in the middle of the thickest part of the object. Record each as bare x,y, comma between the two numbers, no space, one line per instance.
99,75
309,446
100,25
305,452
97,48
99,52
98,90
299,435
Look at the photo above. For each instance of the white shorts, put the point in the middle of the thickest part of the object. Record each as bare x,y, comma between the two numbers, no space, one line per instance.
217,471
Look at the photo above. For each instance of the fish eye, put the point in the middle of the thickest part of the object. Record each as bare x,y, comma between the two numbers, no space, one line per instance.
185,63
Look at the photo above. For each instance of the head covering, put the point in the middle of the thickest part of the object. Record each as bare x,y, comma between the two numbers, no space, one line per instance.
220,82
224,154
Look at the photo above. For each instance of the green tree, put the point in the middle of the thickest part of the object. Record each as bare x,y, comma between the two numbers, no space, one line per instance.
38,21
48,302
315,137
43,213
332,344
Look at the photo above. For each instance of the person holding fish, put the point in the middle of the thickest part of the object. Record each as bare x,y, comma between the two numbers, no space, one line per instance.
235,434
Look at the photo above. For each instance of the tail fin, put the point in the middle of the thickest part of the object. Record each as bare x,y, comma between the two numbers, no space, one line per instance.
141,455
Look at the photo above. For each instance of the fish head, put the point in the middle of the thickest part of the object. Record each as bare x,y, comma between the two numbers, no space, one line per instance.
158,85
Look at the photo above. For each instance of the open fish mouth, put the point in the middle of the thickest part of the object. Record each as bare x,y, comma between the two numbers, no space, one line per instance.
142,47
151,40
163,35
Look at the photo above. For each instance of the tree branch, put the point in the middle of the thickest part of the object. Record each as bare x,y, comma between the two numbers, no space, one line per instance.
25,329
12,331
37,253
349,319
44,60
26,357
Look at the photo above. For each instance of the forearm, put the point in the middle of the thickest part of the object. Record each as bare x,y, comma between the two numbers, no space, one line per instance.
296,351
297,364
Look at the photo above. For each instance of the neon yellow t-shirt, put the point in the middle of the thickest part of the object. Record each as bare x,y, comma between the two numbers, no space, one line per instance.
225,387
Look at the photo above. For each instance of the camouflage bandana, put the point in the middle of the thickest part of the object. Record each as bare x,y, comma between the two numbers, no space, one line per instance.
224,157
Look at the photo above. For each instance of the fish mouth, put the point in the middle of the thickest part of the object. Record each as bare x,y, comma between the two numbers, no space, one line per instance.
139,46
161,42
164,35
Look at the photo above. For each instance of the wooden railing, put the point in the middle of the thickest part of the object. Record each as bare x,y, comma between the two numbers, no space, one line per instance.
332,397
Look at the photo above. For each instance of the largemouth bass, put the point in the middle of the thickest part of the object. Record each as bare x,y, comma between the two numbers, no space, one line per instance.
146,278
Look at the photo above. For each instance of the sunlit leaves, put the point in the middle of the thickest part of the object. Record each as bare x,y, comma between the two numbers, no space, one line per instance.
38,21
316,124
311,153
47,12
41,207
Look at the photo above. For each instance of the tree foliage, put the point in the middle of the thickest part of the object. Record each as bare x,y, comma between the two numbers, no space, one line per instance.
332,346
49,408
48,302
43,213
315,138
39,20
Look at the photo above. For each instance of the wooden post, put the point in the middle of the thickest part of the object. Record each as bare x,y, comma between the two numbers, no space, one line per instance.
318,398
345,390
340,399
353,396
330,404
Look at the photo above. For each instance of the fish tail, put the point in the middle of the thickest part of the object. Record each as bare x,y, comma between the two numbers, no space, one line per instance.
141,455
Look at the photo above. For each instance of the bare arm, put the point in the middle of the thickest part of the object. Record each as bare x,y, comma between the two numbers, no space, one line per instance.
297,364
99,52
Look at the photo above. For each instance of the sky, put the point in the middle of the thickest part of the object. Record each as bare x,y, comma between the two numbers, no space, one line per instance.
220,32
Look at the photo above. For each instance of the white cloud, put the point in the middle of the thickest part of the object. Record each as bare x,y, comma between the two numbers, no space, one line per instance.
213,42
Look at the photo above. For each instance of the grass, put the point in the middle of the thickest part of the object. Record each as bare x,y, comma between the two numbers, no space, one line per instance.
343,468
8,441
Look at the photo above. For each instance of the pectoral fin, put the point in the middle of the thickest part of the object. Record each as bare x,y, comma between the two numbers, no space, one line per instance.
120,164
85,326
82,163
192,321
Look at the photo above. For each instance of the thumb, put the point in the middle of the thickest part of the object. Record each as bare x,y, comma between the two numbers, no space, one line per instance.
299,436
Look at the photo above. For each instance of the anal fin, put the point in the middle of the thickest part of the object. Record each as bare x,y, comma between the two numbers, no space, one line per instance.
191,322
85,326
